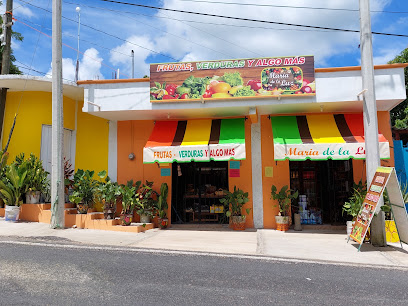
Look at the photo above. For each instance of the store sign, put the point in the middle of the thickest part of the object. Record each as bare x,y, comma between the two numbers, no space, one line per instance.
370,203
337,151
217,152
384,177
249,78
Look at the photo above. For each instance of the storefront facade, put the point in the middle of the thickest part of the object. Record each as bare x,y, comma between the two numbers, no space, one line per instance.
312,141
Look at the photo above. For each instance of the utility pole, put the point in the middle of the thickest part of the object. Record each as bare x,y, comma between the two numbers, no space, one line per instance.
57,168
370,116
5,61
78,10
133,63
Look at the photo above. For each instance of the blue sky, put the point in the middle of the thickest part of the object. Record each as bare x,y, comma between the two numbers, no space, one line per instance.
162,36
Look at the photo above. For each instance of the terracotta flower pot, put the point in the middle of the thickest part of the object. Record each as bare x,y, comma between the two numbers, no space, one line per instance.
109,210
163,223
282,223
82,208
238,223
126,219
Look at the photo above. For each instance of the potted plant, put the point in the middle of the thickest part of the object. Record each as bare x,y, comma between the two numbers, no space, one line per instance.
145,203
11,190
68,175
37,179
83,190
353,205
284,198
107,192
233,203
127,193
3,171
161,206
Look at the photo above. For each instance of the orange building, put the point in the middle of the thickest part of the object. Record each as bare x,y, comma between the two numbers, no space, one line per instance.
311,140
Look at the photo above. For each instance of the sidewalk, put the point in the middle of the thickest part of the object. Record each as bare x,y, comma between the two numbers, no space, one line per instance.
316,246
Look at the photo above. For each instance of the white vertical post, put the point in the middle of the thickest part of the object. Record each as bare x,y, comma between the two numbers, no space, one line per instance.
57,168
256,161
370,115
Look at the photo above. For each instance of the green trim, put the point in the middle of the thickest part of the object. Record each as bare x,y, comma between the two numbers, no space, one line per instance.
191,160
320,159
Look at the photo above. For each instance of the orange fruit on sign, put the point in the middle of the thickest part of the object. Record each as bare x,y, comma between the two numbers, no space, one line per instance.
221,88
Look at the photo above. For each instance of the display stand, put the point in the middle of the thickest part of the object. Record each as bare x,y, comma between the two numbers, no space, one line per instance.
384,177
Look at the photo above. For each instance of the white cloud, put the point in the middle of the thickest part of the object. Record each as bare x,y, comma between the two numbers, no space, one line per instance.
121,55
220,41
386,55
89,67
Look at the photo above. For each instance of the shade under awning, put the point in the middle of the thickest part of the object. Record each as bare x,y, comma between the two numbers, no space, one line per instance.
196,140
322,137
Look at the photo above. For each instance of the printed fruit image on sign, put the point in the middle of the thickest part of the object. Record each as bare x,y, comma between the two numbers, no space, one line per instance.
249,78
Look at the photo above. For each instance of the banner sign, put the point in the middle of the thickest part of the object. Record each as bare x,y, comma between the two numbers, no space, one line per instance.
249,78
374,194
336,151
217,152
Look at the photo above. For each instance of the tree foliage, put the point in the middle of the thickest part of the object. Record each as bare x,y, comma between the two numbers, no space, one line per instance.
399,114
17,36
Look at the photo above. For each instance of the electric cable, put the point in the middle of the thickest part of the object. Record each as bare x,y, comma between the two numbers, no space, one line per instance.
108,34
289,6
192,21
249,19
68,46
168,17
75,36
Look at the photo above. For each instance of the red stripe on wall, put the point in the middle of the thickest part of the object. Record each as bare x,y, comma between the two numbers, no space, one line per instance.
163,134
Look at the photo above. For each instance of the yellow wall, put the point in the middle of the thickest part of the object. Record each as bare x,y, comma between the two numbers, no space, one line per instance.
92,142
35,110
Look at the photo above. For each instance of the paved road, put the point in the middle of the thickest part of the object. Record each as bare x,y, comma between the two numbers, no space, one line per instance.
34,274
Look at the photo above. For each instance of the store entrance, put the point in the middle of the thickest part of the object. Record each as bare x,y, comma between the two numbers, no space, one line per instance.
323,188
197,188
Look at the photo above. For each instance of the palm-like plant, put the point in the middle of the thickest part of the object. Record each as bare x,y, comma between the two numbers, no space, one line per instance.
11,190
284,197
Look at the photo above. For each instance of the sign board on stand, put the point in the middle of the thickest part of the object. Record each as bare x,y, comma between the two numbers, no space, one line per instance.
384,177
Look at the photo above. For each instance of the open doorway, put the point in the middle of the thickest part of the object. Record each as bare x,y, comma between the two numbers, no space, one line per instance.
323,188
196,190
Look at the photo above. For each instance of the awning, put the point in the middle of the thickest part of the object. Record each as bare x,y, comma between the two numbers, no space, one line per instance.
196,140
321,137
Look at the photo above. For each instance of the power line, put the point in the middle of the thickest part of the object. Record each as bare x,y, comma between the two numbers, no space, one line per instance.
106,33
123,14
192,21
289,6
66,45
25,66
248,19
74,36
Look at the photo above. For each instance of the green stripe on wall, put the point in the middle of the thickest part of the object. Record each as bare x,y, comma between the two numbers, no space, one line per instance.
285,130
232,131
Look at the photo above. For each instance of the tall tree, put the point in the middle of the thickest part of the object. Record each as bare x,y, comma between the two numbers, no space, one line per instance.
399,114
17,36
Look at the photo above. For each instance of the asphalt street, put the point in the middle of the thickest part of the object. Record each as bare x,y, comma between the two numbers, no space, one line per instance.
36,274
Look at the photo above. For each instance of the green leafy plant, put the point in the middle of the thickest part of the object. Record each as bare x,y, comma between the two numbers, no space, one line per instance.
234,201
353,205
106,190
161,203
11,190
37,177
127,193
145,204
83,187
284,198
